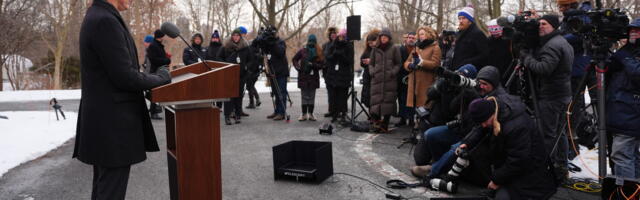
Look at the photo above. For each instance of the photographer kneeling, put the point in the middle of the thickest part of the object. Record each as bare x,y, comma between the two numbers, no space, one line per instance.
449,103
519,158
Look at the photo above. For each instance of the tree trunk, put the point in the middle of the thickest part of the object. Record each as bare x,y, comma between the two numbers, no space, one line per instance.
496,11
440,20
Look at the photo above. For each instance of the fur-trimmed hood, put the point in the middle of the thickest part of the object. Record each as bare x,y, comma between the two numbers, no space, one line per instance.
230,45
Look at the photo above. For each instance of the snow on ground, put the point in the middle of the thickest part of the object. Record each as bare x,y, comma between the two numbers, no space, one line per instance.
590,158
6,86
38,95
27,135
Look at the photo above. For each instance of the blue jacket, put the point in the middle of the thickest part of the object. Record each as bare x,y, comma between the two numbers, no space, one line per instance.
623,94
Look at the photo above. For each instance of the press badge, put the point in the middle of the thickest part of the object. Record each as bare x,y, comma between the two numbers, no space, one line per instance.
337,67
268,56
237,59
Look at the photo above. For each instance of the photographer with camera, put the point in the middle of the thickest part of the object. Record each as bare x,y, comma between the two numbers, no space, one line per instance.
550,64
517,149
471,45
235,50
448,103
274,50
623,105
308,61
338,76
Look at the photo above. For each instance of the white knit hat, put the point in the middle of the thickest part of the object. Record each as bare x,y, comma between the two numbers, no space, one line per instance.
467,12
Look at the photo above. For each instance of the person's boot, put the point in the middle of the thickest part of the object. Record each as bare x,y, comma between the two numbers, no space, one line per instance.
421,171
243,114
310,113
278,117
237,119
258,102
227,120
328,114
271,116
250,106
303,117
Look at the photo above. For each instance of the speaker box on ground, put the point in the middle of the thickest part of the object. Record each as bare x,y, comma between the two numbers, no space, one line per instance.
353,27
306,161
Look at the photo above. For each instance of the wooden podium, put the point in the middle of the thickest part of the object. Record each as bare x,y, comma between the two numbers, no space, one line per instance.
193,127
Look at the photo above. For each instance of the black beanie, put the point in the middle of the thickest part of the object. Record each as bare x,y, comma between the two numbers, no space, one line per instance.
158,34
481,109
552,19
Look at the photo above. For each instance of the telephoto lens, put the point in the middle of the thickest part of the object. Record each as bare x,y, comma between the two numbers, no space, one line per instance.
458,166
443,185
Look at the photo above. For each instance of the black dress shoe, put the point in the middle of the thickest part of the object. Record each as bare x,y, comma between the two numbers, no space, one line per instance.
244,114
258,103
327,114
250,106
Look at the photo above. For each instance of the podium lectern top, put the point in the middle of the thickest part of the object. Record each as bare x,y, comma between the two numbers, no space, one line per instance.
198,83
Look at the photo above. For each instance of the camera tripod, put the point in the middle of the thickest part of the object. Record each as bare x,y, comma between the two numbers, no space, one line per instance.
413,138
271,77
354,97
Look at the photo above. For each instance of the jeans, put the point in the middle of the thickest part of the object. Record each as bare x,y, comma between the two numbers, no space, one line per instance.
439,139
626,156
445,162
281,99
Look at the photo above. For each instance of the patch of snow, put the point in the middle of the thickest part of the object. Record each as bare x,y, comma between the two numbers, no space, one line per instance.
28,135
38,95
590,158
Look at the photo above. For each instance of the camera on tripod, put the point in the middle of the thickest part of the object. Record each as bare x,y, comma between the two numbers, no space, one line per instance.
267,37
456,79
522,29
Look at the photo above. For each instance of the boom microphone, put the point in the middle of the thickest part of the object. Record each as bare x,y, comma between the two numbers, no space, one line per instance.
170,29
173,31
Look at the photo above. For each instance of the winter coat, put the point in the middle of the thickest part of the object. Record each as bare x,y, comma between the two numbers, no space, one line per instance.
339,64
366,79
384,67
213,50
551,65
448,102
402,73
189,56
278,62
517,152
308,74
470,48
256,65
238,53
623,93
500,51
158,57
425,75
114,128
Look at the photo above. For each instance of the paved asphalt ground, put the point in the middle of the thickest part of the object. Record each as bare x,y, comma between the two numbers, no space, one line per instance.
247,167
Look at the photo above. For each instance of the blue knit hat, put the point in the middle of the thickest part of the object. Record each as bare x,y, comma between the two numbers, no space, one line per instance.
468,71
148,39
243,30
215,34
467,12
312,39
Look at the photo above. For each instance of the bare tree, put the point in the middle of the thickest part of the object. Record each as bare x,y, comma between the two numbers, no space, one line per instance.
276,11
17,19
58,14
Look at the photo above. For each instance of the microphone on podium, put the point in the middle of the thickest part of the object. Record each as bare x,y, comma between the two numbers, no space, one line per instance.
173,31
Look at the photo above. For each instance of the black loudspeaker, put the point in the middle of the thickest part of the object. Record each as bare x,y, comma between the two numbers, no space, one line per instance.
307,161
353,27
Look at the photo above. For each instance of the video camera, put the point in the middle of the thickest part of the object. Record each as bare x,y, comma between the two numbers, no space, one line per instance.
456,79
267,37
606,28
522,29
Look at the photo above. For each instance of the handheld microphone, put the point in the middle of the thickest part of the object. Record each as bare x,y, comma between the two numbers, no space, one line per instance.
173,31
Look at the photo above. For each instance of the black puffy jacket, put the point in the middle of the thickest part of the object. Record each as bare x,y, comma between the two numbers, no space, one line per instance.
471,48
338,63
551,65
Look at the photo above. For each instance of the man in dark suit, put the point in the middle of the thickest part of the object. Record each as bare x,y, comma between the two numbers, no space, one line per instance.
114,130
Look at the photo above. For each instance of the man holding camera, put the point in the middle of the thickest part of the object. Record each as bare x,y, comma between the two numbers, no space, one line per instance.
517,149
275,50
550,64
623,106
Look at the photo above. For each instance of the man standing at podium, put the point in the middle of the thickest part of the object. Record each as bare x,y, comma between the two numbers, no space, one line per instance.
114,129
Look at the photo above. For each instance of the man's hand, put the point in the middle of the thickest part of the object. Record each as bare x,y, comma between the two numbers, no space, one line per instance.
366,61
163,72
493,186
460,149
